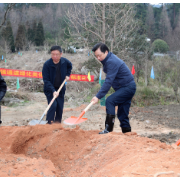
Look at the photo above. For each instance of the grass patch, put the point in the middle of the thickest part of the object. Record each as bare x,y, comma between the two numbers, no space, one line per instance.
18,95
148,93
144,96
11,96
153,96
19,104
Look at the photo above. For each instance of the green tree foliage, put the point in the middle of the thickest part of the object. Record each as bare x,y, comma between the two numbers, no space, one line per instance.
29,32
39,38
160,46
36,33
141,11
38,5
66,33
7,33
157,15
150,22
63,22
30,35
20,43
173,10
21,5
33,33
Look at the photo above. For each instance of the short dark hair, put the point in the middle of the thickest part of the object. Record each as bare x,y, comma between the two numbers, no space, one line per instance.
102,47
53,48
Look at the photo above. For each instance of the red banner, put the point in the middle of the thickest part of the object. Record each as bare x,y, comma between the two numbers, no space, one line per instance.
20,73
36,74
79,77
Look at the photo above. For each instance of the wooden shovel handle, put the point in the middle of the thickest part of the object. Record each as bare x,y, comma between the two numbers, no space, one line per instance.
88,106
54,97
83,112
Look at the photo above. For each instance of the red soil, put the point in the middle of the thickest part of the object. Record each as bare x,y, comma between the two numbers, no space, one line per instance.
52,150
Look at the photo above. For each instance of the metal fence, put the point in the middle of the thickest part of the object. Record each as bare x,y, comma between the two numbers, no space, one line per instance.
173,54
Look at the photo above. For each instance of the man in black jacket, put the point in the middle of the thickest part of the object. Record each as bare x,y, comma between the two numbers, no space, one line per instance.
54,72
3,89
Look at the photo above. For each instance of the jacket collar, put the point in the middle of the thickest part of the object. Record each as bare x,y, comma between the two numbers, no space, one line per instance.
108,55
61,61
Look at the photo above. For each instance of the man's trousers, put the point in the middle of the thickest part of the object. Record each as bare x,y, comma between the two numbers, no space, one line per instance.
121,98
55,111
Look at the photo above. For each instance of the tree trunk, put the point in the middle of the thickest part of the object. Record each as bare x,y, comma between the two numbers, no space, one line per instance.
161,71
104,22
103,33
146,64
114,39
5,49
174,14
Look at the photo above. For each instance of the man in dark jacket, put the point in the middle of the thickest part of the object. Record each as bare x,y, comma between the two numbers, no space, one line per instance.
54,72
119,77
3,89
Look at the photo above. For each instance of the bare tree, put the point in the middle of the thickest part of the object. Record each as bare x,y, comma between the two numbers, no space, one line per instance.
33,13
150,22
50,15
165,27
113,24
6,46
15,19
145,62
176,36
9,7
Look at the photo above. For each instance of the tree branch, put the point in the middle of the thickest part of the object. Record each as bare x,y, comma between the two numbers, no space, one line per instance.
10,6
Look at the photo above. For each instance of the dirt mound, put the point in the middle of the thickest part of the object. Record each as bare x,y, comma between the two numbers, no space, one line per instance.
22,166
52,150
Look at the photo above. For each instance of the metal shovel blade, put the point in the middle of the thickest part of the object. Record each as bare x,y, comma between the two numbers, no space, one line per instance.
178,142
34,122
74,120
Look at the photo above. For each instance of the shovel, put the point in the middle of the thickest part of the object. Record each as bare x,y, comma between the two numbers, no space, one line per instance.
34,122
74,120
178,142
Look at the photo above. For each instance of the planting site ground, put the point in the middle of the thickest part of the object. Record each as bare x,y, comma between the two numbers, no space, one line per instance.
59,150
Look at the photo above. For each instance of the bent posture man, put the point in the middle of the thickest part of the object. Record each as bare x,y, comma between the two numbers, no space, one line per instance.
54,72
120,78
3,89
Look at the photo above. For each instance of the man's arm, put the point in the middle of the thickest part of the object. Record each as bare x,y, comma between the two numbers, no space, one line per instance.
46,79
69,68
112,70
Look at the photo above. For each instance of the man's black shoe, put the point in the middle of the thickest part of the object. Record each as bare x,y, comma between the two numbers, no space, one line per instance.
126,129
49,122
109,124
105,130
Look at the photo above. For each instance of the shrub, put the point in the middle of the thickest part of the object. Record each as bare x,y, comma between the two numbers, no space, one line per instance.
92,64
160,46
70,50
148,93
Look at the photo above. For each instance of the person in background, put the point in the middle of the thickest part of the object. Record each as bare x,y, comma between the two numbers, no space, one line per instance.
54,72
